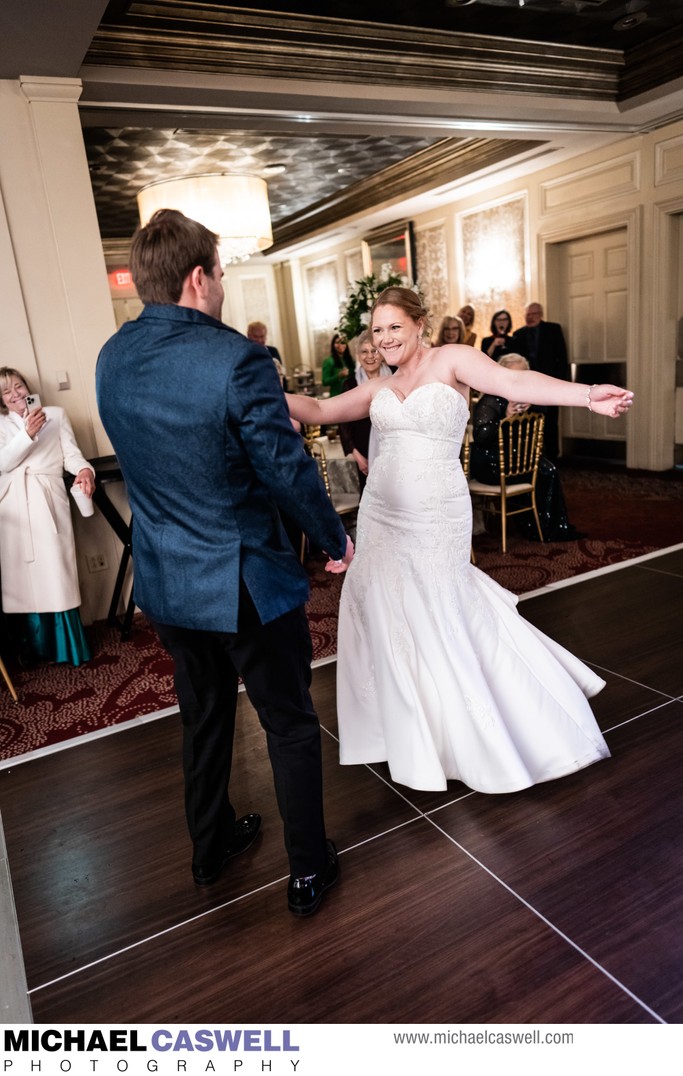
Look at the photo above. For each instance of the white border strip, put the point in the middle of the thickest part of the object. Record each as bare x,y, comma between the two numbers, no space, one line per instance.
599,571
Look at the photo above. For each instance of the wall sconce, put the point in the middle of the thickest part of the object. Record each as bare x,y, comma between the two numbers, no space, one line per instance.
234,206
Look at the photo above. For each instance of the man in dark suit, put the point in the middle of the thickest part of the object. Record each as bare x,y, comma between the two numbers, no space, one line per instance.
197,418
257,332
542,343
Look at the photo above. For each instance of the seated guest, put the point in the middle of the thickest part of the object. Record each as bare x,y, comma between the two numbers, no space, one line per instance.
357,437
40,592
337,366
466,314
485,464
451,331
257,332
500,341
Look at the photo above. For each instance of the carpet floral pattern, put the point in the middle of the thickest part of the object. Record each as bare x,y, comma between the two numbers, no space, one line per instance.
57,702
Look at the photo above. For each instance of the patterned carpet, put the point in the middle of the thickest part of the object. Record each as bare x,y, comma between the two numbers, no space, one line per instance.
124,680
131,679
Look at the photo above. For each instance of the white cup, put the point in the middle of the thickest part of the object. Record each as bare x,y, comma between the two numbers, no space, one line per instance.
85,505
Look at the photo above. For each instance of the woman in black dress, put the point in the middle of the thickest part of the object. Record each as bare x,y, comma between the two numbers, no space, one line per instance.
485,464
500,341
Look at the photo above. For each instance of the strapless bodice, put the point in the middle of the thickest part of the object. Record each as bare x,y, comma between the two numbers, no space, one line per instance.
433,417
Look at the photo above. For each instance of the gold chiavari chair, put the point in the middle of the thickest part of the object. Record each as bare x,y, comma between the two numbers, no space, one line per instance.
520,444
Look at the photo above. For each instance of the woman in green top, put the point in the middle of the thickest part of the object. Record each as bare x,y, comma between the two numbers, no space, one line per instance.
338,365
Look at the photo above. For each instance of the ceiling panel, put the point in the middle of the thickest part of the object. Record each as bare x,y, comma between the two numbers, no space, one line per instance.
316,168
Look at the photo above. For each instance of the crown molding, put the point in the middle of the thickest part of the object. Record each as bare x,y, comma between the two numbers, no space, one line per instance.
445,162
212,38
649,66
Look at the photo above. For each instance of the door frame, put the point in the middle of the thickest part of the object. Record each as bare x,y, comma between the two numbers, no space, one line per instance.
628,220
661,339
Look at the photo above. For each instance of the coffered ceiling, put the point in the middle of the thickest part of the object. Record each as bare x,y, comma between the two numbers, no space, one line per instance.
354,116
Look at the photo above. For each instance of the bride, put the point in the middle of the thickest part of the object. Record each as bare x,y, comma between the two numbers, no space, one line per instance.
438,674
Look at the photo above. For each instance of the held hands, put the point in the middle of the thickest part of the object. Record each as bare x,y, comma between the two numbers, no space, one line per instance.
361,461
338,566
608,400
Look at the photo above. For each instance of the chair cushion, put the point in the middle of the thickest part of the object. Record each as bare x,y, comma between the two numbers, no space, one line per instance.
495,491
345,502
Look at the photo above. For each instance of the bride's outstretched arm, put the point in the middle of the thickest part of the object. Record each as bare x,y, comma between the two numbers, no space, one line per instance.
347,407
473,368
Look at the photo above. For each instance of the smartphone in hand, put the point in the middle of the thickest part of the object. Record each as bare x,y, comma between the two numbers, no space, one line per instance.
33,402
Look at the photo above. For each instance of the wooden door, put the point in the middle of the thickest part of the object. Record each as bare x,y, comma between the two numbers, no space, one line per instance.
591,301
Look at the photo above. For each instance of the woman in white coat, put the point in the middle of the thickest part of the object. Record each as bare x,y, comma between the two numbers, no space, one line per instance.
37,551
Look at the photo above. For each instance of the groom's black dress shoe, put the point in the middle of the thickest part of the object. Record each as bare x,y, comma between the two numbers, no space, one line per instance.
246,830
304,894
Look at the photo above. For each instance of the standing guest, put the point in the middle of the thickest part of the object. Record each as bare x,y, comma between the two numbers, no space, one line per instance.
543,344
437,673
357,438
257,332
500,341
37,551
337,366
199,424
467,314
451,331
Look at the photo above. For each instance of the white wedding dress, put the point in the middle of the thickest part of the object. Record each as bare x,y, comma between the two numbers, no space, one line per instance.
438,674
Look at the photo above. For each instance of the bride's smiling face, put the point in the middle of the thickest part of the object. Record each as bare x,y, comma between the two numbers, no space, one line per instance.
395,334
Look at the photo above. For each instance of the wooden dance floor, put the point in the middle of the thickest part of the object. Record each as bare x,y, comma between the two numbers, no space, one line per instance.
563,903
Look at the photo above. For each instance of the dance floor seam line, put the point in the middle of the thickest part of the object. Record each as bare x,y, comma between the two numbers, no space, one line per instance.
153,937
629,680
637,717
174,928
141,942
556,930
661,571
384,833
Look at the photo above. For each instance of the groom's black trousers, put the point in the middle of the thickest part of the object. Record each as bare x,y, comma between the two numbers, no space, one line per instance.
274,661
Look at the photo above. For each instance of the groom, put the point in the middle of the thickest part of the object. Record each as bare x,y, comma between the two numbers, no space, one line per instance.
199,424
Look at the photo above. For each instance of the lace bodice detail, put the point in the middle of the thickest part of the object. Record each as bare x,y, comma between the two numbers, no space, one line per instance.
435,411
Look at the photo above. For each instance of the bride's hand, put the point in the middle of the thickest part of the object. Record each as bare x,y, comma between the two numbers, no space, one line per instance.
338,566
610,400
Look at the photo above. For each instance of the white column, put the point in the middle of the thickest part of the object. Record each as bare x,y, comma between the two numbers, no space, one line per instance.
54,279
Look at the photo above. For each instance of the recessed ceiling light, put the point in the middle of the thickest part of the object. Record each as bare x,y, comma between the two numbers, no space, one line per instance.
629,21
273,169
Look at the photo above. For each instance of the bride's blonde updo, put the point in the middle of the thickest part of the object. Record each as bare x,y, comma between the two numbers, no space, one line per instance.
408,301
